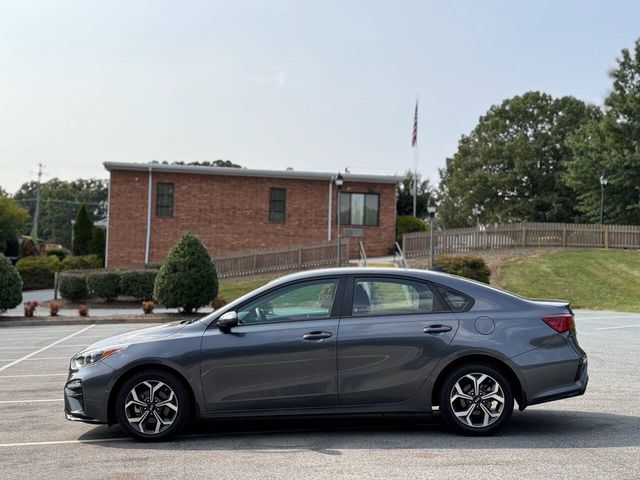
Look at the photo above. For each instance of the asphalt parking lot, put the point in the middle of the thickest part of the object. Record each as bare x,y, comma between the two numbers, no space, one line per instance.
594,436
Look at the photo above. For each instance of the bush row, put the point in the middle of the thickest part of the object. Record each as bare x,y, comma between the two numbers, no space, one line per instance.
107,284
38,272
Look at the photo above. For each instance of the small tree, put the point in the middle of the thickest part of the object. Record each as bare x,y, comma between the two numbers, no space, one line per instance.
82,230
97,243
10,285
187,279
12,219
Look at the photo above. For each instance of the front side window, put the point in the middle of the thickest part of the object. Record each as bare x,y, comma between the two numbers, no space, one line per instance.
164,200
303,301
277,197
382,296
359,209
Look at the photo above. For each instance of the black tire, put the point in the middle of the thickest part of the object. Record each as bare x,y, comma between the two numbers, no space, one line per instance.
182,402
478,414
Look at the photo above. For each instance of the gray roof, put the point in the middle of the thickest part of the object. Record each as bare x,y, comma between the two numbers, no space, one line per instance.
249,172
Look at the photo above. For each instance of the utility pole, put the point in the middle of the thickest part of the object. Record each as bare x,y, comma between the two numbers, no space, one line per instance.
36,216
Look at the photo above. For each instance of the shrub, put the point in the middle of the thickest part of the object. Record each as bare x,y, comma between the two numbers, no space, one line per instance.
218,302
138,284
82,230
73,287
38,272
105,285
97,243
10,285
61,253
81,262
83,310
148,306
409,224
54,307
465,266
30,308
187,278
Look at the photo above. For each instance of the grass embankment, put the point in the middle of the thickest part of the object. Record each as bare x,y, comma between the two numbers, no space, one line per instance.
594,279
232,288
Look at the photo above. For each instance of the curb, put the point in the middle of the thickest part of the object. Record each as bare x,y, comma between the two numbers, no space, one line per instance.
54,321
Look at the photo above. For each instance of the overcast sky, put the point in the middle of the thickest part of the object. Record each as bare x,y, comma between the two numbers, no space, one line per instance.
313,85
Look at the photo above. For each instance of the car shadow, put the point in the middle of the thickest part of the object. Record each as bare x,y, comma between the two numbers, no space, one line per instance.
531,429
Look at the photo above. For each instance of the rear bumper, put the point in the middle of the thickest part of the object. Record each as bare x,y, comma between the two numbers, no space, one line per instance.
579,387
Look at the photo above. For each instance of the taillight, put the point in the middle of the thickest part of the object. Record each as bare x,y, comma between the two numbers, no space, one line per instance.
562,322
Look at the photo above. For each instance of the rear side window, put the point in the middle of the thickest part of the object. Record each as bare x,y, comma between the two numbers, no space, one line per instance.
385,296
458,302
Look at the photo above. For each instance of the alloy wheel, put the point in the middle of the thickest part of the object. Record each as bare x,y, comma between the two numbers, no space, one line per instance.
151,407
477,400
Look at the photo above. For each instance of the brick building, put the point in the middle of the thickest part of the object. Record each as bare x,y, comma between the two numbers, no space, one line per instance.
234,210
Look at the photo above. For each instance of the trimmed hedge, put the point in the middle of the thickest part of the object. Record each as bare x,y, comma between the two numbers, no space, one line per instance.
409,224
82,262
138,284
73,286
38,272
10,285
105,285
465,266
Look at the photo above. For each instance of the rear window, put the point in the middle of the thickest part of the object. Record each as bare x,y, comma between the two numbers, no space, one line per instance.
458,302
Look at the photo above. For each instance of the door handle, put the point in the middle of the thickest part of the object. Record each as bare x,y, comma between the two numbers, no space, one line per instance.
436,329
315,336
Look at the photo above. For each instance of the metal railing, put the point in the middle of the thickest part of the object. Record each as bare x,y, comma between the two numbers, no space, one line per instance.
403,260
363,255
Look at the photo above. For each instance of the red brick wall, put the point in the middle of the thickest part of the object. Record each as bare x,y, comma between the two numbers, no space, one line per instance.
231,214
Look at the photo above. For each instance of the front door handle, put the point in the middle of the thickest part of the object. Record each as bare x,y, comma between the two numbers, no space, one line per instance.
436,329
316,336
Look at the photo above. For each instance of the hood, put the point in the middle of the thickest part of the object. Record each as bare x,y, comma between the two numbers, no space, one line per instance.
140,336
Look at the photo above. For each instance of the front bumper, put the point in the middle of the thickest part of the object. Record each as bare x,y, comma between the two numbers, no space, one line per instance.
86,394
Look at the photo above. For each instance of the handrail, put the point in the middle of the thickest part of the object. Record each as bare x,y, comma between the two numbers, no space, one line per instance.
404,260
363,255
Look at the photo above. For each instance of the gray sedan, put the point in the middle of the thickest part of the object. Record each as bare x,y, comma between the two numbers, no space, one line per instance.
337,342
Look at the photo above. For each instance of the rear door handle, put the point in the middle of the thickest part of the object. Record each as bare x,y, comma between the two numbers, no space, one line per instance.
315,336
436,329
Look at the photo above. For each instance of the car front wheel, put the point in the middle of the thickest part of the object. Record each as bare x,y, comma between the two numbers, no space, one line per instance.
476,399
153,406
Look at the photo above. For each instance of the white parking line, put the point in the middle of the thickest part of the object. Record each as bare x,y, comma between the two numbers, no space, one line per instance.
35,359
42,400
26,347
35,375
46,347
62,442
618,327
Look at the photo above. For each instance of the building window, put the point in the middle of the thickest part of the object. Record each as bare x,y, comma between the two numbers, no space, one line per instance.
359,208
164,200
277,197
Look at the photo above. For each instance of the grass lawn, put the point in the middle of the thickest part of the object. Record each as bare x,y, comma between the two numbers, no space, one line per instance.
232,288
595,279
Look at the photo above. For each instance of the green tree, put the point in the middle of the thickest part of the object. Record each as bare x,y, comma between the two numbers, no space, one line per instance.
512,163
12,220
60,200
404,197
611,145
10,285
82,231
187,278
97,243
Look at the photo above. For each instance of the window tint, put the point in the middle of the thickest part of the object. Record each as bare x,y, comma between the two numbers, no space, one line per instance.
303,301
359,208
456,300
277,197
164,200
381,296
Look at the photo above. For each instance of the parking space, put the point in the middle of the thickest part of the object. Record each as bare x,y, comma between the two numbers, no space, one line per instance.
594,436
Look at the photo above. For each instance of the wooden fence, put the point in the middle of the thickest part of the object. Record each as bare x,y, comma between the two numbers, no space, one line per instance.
520,235
281,259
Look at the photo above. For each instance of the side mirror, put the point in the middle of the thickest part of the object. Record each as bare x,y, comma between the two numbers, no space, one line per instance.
227,321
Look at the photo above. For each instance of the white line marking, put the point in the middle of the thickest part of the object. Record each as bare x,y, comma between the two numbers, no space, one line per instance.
62,442
618,327
609,317
26,347
33,401
35,375
46,347
36,359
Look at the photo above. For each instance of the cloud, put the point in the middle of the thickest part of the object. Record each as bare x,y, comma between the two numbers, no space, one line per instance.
278,79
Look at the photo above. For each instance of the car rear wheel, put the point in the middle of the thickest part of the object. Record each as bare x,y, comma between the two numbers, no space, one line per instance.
153,406
476,399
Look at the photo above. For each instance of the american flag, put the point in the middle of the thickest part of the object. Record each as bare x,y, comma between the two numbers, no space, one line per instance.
414,137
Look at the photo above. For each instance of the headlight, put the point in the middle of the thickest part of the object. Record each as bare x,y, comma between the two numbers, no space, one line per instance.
91,357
